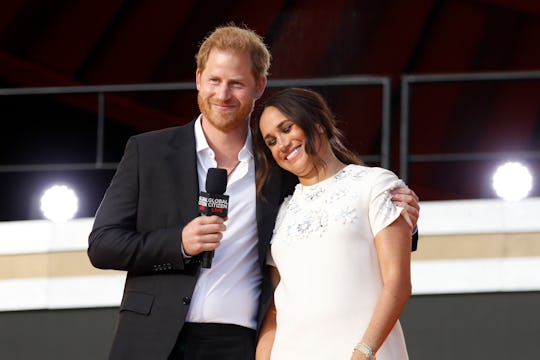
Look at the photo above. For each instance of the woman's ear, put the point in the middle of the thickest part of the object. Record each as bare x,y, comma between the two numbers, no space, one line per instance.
320,128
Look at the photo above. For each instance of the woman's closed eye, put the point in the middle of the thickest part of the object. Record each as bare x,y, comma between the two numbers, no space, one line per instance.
270,142
285,129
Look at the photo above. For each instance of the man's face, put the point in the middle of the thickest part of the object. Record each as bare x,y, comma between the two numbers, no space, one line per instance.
227,90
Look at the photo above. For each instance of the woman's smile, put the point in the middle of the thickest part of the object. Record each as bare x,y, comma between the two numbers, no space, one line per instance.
293,153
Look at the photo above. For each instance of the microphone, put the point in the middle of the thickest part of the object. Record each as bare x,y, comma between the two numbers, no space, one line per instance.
213,202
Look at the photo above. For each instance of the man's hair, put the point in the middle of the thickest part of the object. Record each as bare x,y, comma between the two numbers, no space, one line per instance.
231,37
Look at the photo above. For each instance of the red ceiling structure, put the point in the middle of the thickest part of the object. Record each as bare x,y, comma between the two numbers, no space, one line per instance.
71,43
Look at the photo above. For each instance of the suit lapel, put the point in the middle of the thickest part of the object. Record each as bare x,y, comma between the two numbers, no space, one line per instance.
182,162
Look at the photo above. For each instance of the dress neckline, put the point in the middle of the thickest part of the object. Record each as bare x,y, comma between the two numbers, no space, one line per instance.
322,183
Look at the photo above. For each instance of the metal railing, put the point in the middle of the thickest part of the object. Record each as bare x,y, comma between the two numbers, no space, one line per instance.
384,82
102,90
407,80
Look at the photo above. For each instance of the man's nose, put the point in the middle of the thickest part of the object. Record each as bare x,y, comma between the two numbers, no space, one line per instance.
223,92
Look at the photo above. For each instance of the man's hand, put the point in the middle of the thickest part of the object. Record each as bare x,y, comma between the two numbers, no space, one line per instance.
203,233
407,199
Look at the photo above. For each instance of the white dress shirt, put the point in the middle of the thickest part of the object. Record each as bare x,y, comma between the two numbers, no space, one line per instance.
229,291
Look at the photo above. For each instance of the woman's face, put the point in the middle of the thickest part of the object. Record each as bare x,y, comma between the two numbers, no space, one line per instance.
286,141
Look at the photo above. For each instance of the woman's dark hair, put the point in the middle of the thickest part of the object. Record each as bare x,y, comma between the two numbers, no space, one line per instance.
307,109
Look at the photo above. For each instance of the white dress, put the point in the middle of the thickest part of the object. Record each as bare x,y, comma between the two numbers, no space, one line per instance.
323,246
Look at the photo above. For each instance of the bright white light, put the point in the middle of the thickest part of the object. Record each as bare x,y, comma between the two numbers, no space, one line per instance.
59,203
512,181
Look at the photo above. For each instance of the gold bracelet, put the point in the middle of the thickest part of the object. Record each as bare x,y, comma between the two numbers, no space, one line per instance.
366,350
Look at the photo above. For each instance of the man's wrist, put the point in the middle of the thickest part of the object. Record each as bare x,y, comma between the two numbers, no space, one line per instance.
186,257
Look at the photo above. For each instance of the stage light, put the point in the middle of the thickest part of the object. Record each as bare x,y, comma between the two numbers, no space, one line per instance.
512,181
59,203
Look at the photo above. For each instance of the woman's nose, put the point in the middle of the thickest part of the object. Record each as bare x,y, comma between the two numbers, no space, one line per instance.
283,143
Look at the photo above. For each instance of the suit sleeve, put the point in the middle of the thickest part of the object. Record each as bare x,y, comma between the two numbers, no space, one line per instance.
414,240
115,241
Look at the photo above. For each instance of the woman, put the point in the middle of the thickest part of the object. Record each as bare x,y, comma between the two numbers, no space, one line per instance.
340,252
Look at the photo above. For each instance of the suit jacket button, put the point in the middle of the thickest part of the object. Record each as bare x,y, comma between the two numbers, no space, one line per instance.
186,300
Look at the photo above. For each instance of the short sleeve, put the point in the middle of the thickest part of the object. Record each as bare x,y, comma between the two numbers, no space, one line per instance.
382,211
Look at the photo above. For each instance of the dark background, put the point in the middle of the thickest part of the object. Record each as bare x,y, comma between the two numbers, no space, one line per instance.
71,43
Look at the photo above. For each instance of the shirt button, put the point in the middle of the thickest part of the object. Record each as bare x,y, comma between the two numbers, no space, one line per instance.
186,300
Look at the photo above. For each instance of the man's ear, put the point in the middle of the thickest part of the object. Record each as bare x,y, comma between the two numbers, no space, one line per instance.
198,78
260,87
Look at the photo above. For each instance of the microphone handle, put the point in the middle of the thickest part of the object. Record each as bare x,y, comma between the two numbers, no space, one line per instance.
218,206
206,259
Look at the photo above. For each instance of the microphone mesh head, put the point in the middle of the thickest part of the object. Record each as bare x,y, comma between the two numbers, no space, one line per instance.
216,181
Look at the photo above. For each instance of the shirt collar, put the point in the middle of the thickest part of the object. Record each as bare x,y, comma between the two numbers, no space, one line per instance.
200,139
202,144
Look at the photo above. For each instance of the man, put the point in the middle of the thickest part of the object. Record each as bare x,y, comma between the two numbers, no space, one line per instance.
148,222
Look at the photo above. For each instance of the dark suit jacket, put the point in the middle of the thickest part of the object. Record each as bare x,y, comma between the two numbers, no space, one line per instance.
137,228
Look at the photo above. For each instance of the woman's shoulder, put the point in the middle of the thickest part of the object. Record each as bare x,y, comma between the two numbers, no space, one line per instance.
372,174
364,170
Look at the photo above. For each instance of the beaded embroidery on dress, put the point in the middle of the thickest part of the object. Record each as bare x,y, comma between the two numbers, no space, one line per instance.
305,220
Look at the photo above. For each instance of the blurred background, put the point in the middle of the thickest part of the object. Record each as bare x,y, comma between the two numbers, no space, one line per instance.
442,92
